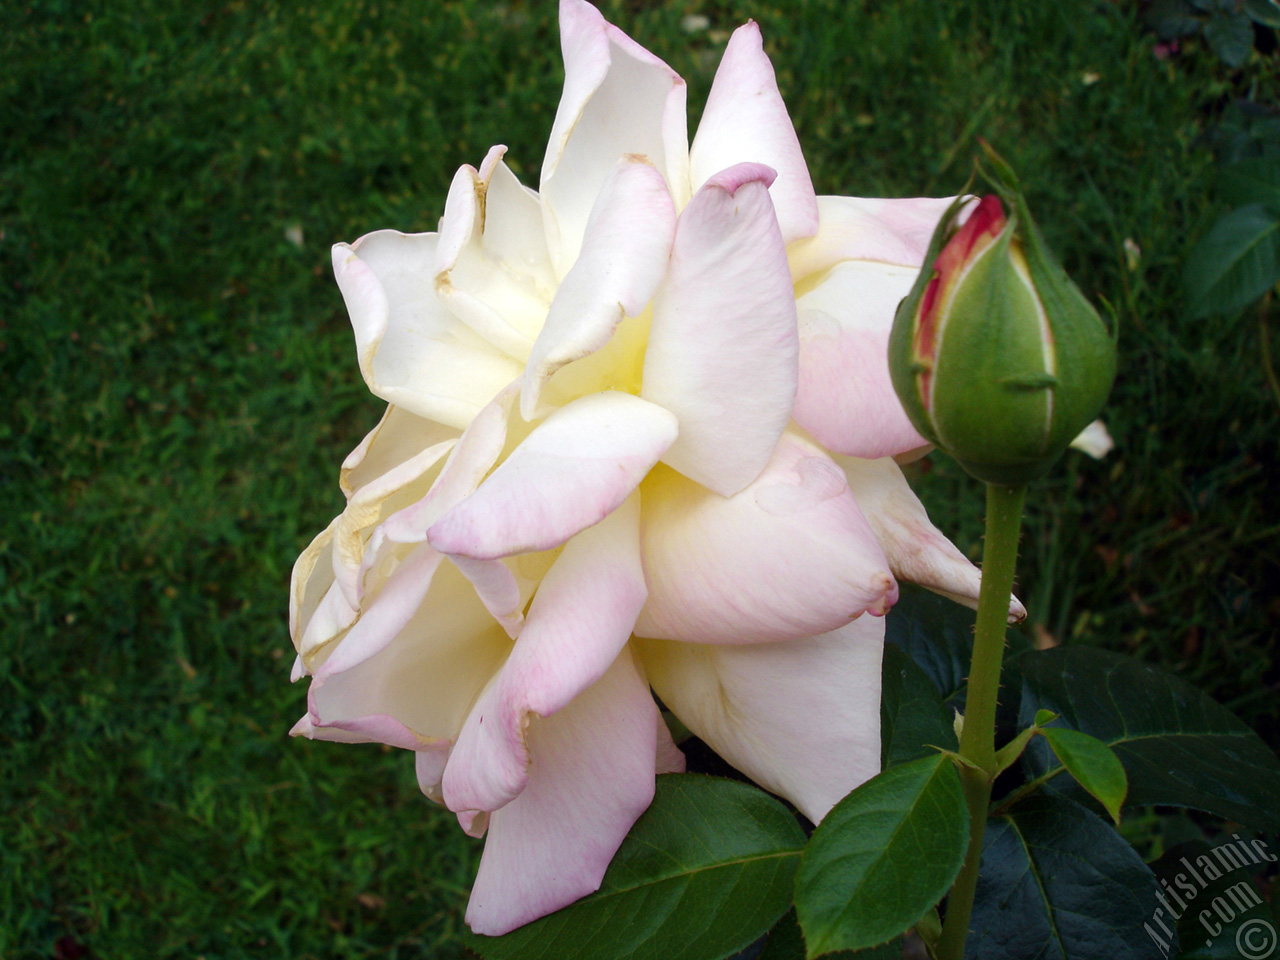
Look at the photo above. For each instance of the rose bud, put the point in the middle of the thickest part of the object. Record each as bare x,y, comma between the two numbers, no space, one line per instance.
995,354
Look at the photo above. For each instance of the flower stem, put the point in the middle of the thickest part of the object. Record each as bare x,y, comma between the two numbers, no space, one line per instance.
977,739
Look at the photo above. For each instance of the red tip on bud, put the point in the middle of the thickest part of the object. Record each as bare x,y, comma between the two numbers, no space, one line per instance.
982,227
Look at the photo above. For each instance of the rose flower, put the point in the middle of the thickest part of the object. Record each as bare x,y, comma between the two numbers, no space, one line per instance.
640,433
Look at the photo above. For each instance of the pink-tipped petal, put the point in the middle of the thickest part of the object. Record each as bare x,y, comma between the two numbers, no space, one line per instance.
917,550
581,618
625,253
429,765
859,228
801,718
383,617
722,352
670,757
790,556
745,120
618,99
425,678
591,776
413,352
475,454
845,396
498,589
573,470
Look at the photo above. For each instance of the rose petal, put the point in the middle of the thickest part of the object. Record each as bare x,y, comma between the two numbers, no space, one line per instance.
398,437
801,718
424,679
723,345
384,615
310,580
413,352
916,549
745,120
591,777
429,763
845,396
628,243
574,469
618,99
473,457
581,618
861,228
1094,440
790,556
504,302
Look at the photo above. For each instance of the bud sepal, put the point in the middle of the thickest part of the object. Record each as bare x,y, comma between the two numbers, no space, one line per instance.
996,355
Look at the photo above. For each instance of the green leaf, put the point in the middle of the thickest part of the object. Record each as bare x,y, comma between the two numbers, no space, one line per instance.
786,942
887,853
1057,882
704,872
912,717
1230,36
1199,877
1265,12
1045,717
1177,746
937,634
1235,263
1007,755
1251,181
1093,764
1171,19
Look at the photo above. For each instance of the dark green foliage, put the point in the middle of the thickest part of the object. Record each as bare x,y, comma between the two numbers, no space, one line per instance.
786,942
705,871
912,717
1061,884
1177,746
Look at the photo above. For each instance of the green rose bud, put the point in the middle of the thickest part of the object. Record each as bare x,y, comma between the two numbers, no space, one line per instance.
995,354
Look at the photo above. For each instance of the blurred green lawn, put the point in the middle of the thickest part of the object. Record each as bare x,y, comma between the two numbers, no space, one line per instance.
179,386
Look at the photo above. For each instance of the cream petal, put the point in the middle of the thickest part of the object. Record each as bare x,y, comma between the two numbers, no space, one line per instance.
801,717
861,228
398,437
917,550
745,120
425,679
382,615
374,502
722,352
473,457
501,302
618,99
580,620
790,556
1094,440
310,580
628,243
413,352
590,777
845,397
513,233
573,470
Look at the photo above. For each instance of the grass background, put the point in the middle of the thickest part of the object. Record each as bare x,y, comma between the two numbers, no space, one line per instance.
179,385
